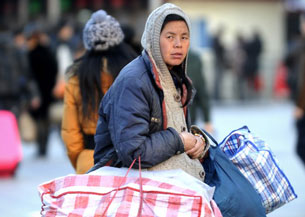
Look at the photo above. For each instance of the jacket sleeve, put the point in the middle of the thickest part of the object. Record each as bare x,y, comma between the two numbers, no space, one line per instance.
129,122
71,131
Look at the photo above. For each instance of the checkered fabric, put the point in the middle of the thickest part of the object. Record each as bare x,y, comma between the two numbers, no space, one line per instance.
258,164
89,195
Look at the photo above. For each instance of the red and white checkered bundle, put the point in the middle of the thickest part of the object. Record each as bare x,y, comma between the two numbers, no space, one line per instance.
96,195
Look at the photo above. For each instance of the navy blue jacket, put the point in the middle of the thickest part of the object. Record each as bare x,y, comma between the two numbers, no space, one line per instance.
131,120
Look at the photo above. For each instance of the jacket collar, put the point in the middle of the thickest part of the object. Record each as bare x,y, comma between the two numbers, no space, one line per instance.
151,68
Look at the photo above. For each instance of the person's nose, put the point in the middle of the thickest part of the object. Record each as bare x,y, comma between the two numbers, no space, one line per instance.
178,42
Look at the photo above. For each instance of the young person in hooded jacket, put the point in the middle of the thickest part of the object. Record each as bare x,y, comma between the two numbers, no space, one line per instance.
89,78
145,111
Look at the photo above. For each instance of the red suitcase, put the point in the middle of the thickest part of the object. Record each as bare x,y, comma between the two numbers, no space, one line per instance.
10,144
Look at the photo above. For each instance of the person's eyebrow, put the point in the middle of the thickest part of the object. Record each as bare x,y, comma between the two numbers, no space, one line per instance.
173,33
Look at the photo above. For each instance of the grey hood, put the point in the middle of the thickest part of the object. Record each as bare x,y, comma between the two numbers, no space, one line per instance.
151,36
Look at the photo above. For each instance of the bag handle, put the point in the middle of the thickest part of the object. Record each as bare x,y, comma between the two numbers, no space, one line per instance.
140,184
195,129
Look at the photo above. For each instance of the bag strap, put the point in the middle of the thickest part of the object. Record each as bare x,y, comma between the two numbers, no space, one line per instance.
140,184
210,137
141,189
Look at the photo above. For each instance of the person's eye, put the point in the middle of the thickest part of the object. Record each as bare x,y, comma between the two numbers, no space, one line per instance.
185,37
170,37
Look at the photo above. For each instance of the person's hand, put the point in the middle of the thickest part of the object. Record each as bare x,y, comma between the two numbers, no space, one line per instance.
188,140
198,148
59,89
193,145
298,113
35,103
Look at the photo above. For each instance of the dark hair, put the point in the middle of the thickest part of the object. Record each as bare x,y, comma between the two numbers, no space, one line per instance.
89,74
178,72
4,27
172,17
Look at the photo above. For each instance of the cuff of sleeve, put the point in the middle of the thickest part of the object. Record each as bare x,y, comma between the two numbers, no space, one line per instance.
180,146
196,131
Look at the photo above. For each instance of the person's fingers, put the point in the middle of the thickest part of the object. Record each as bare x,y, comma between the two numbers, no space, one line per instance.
193,148
197,149
201,146
188,140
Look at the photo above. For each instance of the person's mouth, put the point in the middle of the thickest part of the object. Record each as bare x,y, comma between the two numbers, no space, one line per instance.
177,55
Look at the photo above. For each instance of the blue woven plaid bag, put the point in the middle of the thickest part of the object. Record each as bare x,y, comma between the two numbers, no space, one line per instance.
252,156
234,194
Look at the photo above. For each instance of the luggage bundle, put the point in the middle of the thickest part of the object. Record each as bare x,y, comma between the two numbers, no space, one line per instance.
255,160
108,192
246,174
243,178
10,144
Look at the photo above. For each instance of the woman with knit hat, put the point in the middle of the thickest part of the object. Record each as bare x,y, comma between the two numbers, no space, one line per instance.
88,80
145,111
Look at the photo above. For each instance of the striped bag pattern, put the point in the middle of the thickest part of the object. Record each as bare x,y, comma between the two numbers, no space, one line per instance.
259,165
121,196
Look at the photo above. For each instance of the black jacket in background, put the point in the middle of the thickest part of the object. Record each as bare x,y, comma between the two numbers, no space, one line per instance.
44,69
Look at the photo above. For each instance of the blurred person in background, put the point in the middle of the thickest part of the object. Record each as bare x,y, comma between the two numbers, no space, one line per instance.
219,62
43,66
201,100
300,116
64,46
295,61
64,43
253,50
129,38
237,62
89,78
18,89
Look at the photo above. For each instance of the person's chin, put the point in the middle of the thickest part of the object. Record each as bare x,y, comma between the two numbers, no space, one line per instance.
176,62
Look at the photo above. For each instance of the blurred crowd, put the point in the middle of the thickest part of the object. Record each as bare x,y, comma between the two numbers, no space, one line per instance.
33,64
294,68
243,60
34,60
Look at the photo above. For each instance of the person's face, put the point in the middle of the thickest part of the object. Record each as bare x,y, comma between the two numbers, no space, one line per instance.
174,43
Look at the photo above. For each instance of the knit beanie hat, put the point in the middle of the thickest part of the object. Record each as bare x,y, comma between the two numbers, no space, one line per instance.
101,32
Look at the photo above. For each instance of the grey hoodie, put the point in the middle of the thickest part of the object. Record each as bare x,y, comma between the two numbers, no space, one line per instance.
151,43
174,110
151,35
